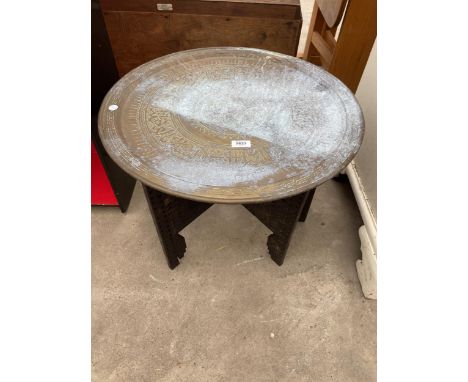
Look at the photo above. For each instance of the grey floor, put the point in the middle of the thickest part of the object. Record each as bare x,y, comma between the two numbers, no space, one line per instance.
228,313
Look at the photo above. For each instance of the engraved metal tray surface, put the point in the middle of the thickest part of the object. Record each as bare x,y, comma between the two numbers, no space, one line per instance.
171,124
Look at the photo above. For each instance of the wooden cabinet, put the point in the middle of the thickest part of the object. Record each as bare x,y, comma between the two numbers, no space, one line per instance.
142,30
110,185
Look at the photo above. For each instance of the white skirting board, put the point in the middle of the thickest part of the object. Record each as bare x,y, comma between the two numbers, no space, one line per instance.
367,267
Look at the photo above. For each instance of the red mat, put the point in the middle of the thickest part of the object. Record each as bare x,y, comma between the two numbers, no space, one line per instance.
101,189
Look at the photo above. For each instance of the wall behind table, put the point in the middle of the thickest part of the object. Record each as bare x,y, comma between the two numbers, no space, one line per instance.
366,160
363,177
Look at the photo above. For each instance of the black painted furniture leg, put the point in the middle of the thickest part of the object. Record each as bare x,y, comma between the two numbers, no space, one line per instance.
306,208
171,215
280,216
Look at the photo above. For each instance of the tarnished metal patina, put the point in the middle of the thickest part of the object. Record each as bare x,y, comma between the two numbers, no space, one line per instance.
173,124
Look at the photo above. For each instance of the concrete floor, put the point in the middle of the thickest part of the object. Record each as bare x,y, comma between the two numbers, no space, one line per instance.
228,313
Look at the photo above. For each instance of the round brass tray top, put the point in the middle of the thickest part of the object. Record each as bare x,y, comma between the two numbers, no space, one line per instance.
171,123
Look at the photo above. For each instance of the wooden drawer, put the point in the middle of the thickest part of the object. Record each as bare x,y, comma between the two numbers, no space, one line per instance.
139,32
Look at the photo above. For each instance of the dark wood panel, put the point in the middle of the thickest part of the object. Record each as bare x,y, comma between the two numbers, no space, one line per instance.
283,2
103,70
282,10
103,76
138,37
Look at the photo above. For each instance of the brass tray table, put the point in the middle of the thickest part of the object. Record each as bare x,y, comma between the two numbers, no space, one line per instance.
230,125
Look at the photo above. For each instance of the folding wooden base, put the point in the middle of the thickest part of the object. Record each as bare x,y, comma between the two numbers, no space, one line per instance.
172,214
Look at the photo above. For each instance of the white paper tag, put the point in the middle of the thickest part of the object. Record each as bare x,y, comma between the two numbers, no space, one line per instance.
164,7
240,143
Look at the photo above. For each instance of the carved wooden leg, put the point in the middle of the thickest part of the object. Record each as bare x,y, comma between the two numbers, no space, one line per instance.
171,215
280,216
306,208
